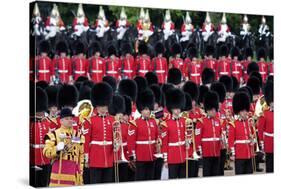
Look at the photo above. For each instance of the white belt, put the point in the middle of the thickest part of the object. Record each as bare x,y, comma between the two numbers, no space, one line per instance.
268,134
236,72
145,142
111,72
102,143
143,71
210,139
242,142
270,73
195,74
160,71
124,144
36,146
127,71
96,71
223,73
30,71
180,143
63,71
262,72
43,71
79,72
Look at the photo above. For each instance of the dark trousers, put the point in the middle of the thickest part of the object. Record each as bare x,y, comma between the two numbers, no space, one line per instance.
243,166
131,174
123,172
222,161
177,170
211,166
269,164
86,175
39,177
101,175
193,167
158,168
145,170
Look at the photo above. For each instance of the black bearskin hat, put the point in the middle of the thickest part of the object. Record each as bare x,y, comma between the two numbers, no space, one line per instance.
257,75
223,50
164,89
241,101
141,83
192,52
159,48
142,48
61,47
219,88
117,105
235,83
191,88
235,52
94,47
111,81
271,53
111,50
203,89
101,94
252,67
151,78
188,102
157,93
247,90
52,92
174,76
211,100
85,93
81,79
42,84
128,105
128,87
261,53
210,50
268,92
41,100
67,96
208,76
175,99
176,49
126,48
145,100
254,84
227,82
79,48
249,52
44,47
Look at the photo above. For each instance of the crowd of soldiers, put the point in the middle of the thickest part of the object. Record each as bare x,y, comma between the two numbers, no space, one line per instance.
114,119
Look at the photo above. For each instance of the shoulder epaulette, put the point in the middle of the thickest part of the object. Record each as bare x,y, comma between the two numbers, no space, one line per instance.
133,122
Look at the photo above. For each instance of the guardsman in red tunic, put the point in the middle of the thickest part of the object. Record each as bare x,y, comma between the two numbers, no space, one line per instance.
160,65
271,63
210,61
263,65
174,135
208,136
128,67
247,60
39,127
224,63
194,68
236,66
79,62
113,63
142,137
43,64
96,63
62,64
266,128
208,76
240,137
176,61
101,154
143,61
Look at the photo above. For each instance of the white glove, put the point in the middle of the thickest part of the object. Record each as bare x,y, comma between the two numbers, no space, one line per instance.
60,146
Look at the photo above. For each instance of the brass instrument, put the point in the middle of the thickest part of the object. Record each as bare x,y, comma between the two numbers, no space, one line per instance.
251,122
83,110
117,137
261,105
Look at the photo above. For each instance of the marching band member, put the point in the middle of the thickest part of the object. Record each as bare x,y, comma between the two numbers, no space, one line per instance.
168,26
240,135
142,137
207,28
52,92
43,64
208,135
96,62
175,77
79,62
160,63
208,76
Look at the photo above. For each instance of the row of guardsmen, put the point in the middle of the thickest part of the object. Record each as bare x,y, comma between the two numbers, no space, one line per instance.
63,69
100,133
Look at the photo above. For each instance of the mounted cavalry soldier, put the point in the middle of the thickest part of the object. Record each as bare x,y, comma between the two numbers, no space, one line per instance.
263,29
80,23
146,29
186,29
122,24
207,28
53,23
140,20
223,30
245,27
38,28
168,25
101,24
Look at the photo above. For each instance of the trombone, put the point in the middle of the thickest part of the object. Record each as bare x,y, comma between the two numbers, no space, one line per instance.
254,137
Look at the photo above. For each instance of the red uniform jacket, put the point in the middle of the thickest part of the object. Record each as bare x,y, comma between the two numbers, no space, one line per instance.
143,64
43,68
172,26
96,68
208,136
48,22
101,141
244,64
79,66
62,68
211,63
204,27
173,142
239,139
224,67
183,29
118,24
124,132
263,67
161,68
113,67
142,136
270,68
177,63
85,23
236,69
38,130
265,130
128,67
31,69
194,72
